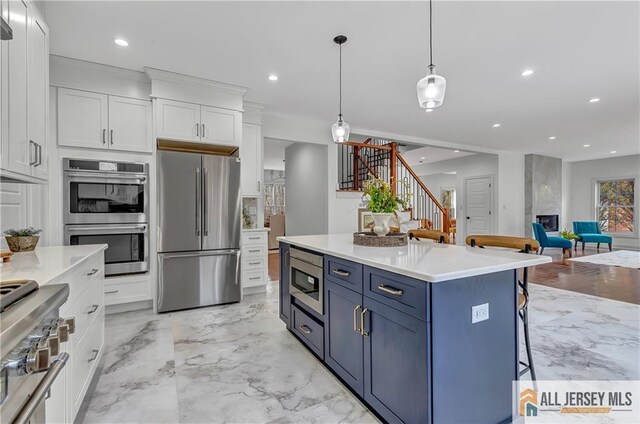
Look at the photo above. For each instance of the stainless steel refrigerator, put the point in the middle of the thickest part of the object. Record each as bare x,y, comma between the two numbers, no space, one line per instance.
199,228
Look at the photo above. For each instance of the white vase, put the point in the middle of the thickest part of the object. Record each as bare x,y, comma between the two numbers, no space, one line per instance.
381,223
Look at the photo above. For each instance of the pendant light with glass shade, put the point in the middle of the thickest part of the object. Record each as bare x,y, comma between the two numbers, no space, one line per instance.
431,88
340,130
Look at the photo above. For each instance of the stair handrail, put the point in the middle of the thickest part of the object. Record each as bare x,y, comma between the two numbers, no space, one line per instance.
445,213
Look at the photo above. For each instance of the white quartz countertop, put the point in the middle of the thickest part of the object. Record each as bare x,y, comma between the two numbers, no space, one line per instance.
424,260
46,263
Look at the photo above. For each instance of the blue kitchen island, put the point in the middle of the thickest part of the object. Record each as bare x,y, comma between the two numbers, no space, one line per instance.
426,333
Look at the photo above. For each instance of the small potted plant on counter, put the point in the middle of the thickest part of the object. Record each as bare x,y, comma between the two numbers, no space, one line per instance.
22,240
382,202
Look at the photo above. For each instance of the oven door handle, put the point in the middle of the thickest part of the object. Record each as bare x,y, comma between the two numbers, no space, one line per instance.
40,392
106,177
120,229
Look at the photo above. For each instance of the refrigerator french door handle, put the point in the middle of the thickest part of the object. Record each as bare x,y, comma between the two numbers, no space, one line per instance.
197,203
225,252
205,212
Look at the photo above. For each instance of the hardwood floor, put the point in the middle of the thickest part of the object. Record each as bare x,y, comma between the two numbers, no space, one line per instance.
274,265
611,282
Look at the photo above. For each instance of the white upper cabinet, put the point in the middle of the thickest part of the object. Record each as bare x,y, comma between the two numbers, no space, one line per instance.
220,126
38,94
24,93
251,159
177,120
130,124
82,118
100,121
184,121
17,156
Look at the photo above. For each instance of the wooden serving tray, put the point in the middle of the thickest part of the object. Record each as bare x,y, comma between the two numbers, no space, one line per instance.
371,239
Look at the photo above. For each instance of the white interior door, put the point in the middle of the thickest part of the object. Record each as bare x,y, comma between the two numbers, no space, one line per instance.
478,206
130,124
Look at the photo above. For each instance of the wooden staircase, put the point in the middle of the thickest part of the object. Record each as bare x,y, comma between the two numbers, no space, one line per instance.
359,161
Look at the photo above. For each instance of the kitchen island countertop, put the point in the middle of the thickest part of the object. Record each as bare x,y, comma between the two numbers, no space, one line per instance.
46,263
424,260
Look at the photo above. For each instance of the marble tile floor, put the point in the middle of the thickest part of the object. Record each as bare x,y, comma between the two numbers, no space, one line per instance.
238,363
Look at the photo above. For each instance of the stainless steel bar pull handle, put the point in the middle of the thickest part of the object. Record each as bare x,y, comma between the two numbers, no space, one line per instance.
254,263
205,199
197,130
104,136
94,355
341,272
355,319
111,292
40,393
364,333
197,204
390,290
203,132
93,309
305,329
111,136
33,162
93,271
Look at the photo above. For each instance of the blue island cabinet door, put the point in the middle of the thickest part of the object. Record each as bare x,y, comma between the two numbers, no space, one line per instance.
343,345
396,375
285,298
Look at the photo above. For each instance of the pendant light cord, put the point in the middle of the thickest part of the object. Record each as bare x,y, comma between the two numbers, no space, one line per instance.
430,34
340,101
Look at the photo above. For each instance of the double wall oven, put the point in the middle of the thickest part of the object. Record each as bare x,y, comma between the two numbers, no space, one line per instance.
108,202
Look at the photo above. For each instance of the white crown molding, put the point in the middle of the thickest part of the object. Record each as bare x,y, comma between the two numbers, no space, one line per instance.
176,78
99,68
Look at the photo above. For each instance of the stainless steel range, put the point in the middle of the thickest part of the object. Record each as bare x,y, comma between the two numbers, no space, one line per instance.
31,332
108,202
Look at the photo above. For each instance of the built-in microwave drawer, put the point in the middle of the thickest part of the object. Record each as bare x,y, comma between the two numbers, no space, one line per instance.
309,330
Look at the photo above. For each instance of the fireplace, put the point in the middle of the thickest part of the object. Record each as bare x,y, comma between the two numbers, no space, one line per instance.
549,222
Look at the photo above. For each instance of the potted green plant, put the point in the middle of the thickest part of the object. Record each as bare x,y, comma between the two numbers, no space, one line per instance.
568,234
382,202
23,239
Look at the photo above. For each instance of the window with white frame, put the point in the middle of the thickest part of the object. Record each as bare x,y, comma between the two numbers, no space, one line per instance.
615,205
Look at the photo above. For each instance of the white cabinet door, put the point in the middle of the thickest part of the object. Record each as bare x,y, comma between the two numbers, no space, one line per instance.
177,120
18,154
130,124
251,160
82,119
38,92
221,126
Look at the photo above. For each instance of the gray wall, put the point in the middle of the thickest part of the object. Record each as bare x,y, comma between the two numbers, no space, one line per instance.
542,189
583,176
306,193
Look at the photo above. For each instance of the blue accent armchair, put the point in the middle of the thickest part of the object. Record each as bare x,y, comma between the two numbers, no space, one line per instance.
550,241
589,232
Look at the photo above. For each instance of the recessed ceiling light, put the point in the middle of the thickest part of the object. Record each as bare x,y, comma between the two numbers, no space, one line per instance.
613,151
273,77
121,42
428,110
422,158
456,151
553,137
527,72
594,100
496,125
586,145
